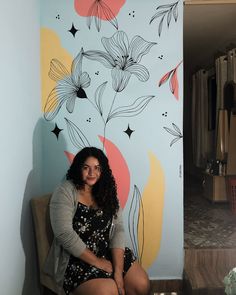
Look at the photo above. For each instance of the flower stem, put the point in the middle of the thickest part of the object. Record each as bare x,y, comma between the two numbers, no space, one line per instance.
107,120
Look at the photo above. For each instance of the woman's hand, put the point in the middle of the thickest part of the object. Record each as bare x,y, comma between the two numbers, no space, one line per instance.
104,264
118,277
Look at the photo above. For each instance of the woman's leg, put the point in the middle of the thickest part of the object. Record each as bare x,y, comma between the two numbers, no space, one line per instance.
136,281
97,287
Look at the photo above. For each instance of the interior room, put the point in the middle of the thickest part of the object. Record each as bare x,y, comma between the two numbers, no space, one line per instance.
209,143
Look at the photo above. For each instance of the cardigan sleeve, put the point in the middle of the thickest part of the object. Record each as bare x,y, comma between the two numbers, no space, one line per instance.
62,207
117,239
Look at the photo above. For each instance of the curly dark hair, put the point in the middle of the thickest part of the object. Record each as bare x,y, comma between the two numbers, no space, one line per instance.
104,191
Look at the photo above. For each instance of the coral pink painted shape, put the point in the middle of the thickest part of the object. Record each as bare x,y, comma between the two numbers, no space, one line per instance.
69,156
174,84
119,169
82,7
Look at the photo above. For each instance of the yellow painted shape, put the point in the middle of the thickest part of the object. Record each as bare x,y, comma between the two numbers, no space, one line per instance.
51,48
150,223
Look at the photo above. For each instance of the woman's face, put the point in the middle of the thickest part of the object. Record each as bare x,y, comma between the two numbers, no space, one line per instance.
91,171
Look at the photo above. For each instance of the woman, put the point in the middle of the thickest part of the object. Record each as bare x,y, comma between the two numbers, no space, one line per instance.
88,254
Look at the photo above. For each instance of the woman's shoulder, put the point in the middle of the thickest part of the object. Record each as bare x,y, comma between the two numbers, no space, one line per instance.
66,187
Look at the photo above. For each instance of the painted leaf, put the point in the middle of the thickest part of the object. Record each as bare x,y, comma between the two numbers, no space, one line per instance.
151,221
174,84
165,78
132,110
119,169
77,137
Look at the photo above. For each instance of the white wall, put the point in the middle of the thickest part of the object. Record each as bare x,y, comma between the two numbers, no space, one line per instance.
19,112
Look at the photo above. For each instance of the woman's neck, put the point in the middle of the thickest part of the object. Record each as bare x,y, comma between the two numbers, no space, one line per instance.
85,196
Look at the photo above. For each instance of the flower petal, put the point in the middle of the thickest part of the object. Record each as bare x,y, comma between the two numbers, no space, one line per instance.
76,67
70,104
139,47
57,70
139,71
91,13
84,80
120,79
54,102
117,45
101,57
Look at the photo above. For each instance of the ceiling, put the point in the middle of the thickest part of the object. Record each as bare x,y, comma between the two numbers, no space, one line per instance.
209,30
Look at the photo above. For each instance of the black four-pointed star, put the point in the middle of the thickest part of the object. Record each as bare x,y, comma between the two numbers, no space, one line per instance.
56,130
73,30
129,131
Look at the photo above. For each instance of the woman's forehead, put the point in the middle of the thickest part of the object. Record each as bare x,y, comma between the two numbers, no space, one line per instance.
91,161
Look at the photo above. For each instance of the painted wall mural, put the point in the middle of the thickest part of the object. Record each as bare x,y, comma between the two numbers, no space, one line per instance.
105,68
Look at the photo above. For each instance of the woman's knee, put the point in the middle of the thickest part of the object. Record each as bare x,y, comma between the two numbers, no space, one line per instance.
137,281
97,287
143,286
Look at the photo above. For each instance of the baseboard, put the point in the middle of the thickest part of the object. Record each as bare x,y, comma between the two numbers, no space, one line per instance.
166,286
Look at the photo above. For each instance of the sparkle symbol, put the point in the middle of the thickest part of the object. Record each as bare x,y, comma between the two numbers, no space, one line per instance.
56,130
73,30
129,131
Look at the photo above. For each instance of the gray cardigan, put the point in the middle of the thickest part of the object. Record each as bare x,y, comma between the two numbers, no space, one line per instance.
63,205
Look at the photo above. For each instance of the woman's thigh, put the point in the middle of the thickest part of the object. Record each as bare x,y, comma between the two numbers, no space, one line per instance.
136,280
97,287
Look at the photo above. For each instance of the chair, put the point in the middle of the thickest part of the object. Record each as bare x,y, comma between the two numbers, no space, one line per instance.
44,238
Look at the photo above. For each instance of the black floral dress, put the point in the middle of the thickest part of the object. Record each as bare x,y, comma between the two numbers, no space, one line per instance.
93,226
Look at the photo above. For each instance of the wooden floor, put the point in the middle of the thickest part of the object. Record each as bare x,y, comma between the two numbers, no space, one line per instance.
210,251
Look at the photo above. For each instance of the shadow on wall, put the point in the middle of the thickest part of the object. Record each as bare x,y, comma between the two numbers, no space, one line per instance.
48,169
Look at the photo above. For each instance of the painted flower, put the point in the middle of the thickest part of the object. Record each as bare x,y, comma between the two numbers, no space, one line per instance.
69,86
122,58
99,10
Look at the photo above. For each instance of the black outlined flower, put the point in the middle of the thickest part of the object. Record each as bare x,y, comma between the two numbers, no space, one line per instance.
122,58
69,86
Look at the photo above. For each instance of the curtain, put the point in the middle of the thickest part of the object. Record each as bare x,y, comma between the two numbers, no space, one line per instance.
200,118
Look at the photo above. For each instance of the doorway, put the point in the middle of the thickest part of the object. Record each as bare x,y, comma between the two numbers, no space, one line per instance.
209,32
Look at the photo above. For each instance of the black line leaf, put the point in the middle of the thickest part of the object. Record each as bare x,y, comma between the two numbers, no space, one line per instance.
98,23
109,14
98,97
172,132
177,129
158,14
164,10
174,140
131,223
136,212
169,15
77,137
160,26
164,6
132,110
140,217
175,12
90,14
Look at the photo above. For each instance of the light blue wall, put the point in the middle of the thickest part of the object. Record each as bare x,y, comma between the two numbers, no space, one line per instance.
19,113
158,127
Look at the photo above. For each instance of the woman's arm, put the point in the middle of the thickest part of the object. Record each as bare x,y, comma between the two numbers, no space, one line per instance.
118,266
61,215
117,236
